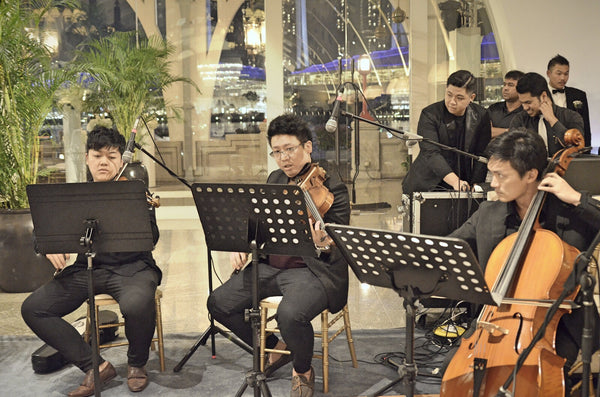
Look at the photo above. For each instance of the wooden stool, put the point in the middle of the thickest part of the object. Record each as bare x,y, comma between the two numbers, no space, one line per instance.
104,300
273,303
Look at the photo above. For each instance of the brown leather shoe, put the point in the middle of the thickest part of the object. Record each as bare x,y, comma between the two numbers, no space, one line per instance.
137,378
302,386
87,387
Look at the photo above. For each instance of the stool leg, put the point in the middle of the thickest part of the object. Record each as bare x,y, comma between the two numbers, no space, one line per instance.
159,334
325,349
349,336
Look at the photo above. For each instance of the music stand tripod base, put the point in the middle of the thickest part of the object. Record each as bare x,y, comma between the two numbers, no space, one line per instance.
416,267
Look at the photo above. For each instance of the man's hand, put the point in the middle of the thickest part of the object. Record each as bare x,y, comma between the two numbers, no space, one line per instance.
320,236
59,261
456,183
546,109
553,183
238,260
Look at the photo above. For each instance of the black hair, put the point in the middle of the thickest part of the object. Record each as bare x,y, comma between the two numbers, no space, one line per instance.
462,78
557,60
534,84
289,124
103,137
513,74
525,150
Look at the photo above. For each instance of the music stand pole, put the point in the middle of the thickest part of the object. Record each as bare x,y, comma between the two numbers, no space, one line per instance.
87,241
255,378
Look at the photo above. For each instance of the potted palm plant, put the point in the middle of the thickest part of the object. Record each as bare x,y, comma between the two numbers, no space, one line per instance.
127,76
27,87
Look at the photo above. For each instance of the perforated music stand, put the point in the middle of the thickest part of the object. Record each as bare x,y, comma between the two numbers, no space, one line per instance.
264,219
415,266
90,218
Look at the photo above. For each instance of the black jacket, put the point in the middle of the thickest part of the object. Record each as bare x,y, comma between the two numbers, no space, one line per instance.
573,95
567,119
434,163
331,269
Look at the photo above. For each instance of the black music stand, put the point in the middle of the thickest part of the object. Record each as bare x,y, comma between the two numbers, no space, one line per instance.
263,219
87,218
415,266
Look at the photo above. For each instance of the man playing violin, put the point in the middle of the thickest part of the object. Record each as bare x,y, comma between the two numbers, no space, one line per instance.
130,278
517,160
308,285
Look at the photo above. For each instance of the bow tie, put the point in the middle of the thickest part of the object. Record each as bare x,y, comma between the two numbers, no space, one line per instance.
561,91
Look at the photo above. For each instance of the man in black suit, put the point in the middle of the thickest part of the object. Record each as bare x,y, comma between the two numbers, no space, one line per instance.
569,97
458,122
541,115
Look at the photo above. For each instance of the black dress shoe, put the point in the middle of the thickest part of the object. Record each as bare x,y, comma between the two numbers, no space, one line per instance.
87,387
280,362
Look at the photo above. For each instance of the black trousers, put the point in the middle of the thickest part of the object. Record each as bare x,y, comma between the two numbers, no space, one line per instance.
44,308
303,299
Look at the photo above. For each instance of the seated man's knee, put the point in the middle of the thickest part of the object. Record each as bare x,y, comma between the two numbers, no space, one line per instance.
137,305
291,314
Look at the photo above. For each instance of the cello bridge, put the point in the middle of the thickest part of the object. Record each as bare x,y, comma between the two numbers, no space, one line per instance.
492,328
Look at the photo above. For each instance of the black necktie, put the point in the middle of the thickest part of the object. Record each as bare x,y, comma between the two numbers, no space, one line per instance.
561,91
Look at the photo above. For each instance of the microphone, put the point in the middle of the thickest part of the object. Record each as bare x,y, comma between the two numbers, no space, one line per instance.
411,139
130,148
332,123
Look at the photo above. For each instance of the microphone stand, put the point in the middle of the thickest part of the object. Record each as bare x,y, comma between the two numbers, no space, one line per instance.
417,138
212,329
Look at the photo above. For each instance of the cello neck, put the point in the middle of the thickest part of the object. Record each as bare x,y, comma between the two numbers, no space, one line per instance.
519,249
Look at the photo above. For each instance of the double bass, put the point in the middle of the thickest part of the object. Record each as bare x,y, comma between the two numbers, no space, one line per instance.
487,358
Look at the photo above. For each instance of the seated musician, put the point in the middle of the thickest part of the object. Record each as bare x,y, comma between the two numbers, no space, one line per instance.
130,278
308,285
517,160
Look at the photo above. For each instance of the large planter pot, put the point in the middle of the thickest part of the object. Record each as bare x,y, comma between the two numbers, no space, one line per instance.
21,269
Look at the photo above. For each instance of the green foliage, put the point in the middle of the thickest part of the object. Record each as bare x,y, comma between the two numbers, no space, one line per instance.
127,75
27,88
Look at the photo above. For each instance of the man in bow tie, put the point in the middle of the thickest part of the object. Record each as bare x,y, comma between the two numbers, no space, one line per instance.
541,115
568,97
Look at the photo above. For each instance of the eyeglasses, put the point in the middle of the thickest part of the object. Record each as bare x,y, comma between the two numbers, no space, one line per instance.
287,151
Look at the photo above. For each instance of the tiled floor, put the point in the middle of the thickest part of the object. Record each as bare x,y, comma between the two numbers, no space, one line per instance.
182,255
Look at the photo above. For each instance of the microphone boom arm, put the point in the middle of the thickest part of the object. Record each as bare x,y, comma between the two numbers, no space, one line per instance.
413,137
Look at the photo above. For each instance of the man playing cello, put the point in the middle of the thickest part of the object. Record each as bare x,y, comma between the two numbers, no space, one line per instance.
517,160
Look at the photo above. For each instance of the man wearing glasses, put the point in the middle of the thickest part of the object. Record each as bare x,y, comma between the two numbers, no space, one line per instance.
308,285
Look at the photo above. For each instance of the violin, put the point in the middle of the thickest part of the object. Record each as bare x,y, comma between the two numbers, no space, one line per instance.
487,358
318,198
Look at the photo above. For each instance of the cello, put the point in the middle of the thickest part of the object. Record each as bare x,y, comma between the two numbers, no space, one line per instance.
488,356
